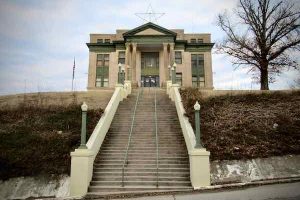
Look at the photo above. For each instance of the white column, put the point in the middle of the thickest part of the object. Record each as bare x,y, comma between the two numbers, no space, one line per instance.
164,72
133,67
127,57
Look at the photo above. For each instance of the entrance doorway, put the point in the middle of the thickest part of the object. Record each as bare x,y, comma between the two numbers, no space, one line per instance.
150,69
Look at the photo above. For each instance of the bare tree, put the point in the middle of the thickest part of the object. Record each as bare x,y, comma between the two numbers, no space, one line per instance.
262,39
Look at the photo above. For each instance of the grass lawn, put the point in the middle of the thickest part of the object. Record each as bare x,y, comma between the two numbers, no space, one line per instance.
31,143
247,126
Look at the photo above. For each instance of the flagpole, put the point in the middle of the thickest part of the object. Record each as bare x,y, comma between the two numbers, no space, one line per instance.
73,75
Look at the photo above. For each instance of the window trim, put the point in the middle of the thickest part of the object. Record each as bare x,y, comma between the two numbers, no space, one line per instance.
178,60
193,40
199,83
178,79
102,64
121,58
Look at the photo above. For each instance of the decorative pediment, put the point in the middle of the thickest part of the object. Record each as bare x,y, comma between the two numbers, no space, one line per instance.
149,29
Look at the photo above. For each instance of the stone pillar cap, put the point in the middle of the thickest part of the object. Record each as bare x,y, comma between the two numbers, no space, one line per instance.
197,106
84,107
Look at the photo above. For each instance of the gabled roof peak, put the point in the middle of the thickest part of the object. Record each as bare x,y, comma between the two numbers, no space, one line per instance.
147,26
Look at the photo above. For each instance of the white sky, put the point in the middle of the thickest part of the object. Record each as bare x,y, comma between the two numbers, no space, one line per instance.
39,39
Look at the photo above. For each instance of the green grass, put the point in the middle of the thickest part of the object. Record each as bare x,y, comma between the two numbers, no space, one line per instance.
244,126
30,143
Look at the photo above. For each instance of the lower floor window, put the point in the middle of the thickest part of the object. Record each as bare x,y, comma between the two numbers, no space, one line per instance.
198,81
179,78
102,76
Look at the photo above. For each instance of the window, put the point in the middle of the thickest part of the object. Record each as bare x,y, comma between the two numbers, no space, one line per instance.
200,40
178,57
179,78
121,57
193,40
198,70
107,40
99,40
102,60
102,70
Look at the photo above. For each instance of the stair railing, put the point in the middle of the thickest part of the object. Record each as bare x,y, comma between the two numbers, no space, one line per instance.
125,162
156,137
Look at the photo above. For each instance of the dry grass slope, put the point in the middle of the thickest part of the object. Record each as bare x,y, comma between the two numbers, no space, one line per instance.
30,140
249,125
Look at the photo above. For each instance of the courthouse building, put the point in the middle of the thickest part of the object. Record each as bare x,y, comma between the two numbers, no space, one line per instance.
146,54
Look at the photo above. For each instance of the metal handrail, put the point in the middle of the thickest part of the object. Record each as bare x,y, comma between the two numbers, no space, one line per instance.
125,162
156,138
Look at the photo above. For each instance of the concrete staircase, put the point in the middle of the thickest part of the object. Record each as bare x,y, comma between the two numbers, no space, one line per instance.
140,174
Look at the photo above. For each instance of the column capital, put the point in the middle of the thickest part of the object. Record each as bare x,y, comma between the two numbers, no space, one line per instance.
127,44
165,45
134,45
171,45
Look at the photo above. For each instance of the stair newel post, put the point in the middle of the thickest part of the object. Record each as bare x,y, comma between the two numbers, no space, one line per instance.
197,124
174,73
84,109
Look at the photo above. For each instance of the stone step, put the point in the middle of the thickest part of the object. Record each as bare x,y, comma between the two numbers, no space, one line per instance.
134,162
145,141
128,174
146,133
138,183
131,169
145,153
103,165
149,151
139,178
133,158
93,189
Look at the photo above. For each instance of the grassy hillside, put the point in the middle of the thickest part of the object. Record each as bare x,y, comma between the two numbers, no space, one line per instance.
38,140
248,125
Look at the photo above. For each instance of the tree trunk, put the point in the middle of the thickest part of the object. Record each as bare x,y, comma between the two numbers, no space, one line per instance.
264,79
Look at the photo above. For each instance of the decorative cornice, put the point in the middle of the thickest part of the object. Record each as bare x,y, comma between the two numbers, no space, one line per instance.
101,47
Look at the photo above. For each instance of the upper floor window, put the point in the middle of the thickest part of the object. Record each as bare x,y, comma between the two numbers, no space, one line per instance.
107,40
193,40
121,57
99,40
200,40
102,60
198,79
178,57
102,70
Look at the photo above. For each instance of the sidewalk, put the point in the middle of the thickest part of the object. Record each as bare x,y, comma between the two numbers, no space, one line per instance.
287,191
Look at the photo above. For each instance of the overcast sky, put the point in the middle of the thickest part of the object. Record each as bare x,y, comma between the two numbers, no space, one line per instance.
39,39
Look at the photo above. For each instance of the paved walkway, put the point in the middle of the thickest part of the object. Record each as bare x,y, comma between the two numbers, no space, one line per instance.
287,191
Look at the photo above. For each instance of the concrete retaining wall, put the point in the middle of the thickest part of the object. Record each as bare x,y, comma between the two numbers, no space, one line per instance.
94,98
